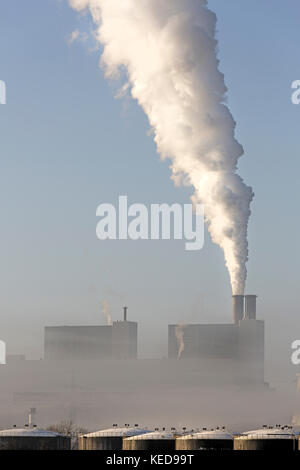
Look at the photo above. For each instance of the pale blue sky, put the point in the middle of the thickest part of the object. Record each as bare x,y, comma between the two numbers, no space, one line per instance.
68,145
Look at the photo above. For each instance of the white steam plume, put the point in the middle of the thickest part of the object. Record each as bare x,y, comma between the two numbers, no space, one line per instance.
168,50
106,312
179,333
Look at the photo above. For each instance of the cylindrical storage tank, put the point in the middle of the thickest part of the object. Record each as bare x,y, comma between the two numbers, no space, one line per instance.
158,441
108,439
276,439
206,440
238,308
33,439
250,306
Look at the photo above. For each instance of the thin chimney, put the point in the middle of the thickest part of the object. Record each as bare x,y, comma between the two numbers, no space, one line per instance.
125,313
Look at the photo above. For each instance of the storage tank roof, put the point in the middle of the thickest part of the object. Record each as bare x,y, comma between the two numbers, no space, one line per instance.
216,434
117,432
27,432
153,435
269,433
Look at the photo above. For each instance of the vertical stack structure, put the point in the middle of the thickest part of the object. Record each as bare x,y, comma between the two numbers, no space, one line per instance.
250,307
238,308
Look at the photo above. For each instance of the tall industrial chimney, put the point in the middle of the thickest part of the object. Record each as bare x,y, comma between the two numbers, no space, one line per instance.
238,308
250,306
125,313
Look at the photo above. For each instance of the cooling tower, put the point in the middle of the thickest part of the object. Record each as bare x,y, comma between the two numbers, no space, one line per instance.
238,308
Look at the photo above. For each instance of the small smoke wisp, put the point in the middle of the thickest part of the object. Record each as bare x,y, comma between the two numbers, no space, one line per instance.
106,312
167,52
179,333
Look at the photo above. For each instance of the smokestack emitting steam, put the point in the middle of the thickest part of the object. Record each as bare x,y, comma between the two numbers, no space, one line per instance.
179,332
106,312
238,308
169,51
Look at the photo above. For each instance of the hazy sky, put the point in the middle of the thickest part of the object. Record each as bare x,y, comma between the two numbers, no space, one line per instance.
67,145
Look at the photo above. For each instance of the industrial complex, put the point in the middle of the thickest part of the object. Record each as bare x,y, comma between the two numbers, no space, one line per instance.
234,350
84,364
240,344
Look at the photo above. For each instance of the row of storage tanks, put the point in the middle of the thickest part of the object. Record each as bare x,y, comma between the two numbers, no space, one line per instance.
134,438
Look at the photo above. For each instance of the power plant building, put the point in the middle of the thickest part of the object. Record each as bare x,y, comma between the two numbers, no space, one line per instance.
78,342
224,353
204,341
69,343
241,342
124,340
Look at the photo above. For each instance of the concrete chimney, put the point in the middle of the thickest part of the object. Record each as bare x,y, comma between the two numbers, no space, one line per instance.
238,308
125,313
250,306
